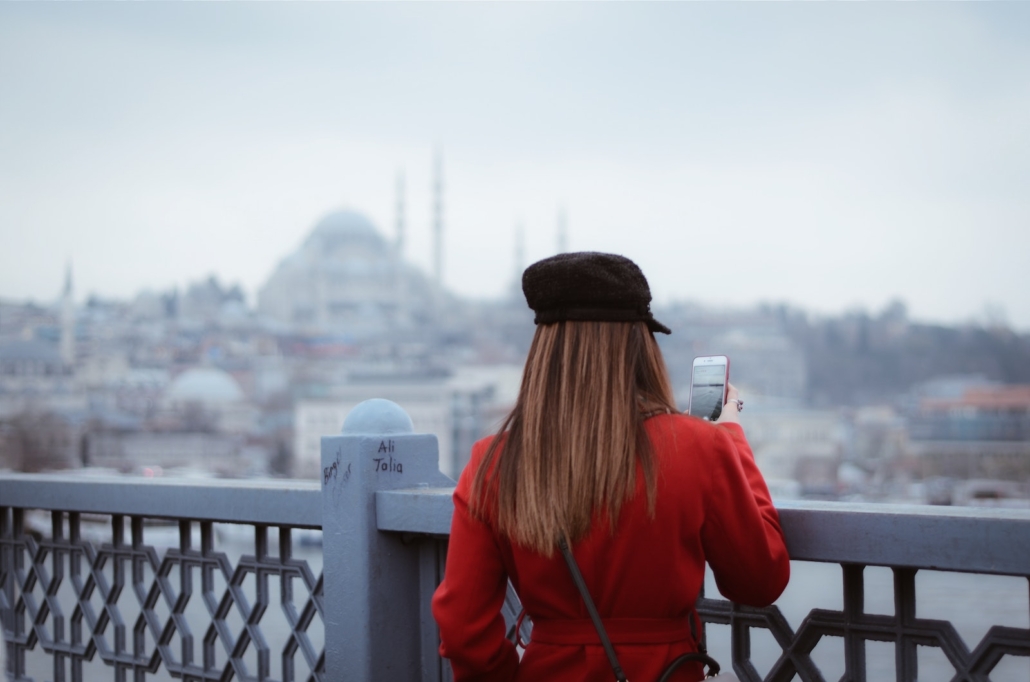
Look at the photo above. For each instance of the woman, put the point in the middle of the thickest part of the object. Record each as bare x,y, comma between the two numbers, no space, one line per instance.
595,451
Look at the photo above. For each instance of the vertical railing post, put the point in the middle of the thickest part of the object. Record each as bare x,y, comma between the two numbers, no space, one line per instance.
372,608
906,657
6,587
854,607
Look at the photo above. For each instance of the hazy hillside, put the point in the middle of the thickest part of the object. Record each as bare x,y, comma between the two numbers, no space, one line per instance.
852,359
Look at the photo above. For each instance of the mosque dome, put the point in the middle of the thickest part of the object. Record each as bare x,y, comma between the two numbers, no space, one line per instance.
342,229
204,385
346,278
344,222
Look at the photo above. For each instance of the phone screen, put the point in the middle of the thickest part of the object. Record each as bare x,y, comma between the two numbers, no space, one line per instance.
707,388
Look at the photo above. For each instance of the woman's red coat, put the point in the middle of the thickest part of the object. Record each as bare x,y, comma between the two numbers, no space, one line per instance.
712,505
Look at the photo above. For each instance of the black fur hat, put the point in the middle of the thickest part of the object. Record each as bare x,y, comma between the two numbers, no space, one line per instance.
589,286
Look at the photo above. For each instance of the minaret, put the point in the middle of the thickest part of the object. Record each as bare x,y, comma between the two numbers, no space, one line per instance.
563,230
520,261
398,256
438,221
68,321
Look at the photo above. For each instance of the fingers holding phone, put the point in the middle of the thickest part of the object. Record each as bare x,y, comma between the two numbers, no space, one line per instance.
731,410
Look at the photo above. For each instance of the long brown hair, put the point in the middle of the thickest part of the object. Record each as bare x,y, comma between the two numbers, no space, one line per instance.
570,446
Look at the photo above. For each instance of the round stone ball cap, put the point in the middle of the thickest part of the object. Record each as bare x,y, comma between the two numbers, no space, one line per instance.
377,417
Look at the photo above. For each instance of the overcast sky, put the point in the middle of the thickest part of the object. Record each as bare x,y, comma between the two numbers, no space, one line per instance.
831,156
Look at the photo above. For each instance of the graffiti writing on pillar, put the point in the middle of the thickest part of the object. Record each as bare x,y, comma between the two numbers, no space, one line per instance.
388,464
333,469
330,472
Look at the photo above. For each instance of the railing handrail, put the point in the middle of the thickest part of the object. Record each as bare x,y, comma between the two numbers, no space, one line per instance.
285,502
975,540
964,539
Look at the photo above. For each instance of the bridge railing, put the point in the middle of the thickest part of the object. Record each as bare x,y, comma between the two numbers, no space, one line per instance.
103,579
123,578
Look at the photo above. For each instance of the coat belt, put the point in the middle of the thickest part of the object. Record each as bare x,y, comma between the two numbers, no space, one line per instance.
620,631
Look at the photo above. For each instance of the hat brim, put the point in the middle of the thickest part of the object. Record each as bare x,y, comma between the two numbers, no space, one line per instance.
656,326
600,315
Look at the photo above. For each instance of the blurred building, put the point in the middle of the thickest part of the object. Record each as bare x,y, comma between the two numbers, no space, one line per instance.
25,363
458,408
39,440
137,451
798,450
764,359
345,279
208,398
206,302
979,413
877,453
971,429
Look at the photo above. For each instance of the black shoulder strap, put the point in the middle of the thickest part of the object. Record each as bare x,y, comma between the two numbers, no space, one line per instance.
577,577
581,585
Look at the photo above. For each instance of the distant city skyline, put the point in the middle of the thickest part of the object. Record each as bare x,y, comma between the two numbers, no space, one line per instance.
826,156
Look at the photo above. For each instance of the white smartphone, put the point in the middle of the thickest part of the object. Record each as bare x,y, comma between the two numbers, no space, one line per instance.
709,378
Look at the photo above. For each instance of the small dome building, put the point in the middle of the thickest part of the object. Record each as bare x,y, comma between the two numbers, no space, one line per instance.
206,386
211,397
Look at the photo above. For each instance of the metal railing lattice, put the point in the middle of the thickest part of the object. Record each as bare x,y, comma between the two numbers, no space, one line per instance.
137,609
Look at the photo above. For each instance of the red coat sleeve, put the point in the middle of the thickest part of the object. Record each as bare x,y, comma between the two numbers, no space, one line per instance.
741,534
467,604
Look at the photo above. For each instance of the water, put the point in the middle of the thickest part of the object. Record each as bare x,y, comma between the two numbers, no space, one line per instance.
973,603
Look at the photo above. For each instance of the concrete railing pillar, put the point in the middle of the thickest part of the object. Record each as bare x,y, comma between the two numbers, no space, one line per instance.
372,628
